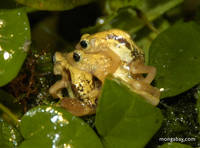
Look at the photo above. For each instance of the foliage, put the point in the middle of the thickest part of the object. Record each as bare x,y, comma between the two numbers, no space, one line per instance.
130,122
123,119
14,42
57,127
169,56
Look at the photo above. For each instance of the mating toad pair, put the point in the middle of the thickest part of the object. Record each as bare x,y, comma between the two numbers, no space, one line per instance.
84,70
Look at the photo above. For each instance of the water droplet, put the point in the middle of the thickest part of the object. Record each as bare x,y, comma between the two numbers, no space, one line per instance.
2,23
1,49
101,21
162,89
180,50
6,55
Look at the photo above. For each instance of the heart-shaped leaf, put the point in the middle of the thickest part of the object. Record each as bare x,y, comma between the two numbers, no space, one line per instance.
125,119
176,55
47,126
14,41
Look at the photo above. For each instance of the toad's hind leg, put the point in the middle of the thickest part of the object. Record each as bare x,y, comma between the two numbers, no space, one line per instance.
142,86
150,93
138,67
76,107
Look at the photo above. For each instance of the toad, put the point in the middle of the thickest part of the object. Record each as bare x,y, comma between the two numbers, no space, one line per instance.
83,89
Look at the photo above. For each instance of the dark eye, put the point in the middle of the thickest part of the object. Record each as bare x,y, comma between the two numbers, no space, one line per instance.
84,44
76,56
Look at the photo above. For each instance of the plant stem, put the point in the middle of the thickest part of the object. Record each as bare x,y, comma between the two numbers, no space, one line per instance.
9,113
145,19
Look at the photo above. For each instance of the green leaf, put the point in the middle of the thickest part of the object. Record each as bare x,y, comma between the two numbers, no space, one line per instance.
14,33
175,145
10,136
9,4
112,6
8,101
155,8
175,54
47,126
122,117
8,108
53,4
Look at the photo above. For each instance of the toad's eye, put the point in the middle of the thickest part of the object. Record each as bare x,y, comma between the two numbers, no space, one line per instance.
84,44
76,56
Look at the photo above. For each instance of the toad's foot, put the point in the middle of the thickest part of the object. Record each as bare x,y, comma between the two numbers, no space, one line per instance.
76,107
150,93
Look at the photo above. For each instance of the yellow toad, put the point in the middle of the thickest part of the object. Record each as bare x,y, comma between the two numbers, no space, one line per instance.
83,89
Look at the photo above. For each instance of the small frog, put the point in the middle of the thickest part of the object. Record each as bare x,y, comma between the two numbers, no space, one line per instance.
83,88
122,58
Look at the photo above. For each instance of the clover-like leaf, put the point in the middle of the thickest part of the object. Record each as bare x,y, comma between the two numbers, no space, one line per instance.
14,41
47,126
176,55
125,119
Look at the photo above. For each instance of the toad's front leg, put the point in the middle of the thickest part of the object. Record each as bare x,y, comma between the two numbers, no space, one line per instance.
55,90
104,69
71,104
